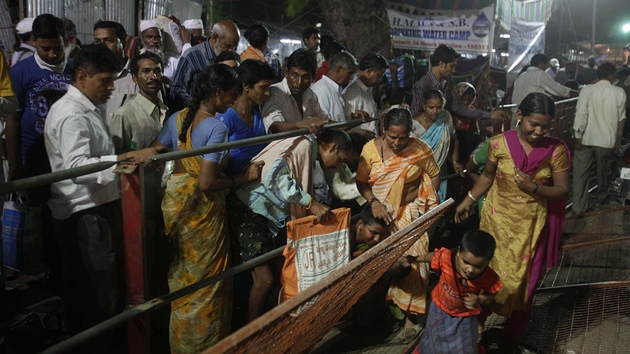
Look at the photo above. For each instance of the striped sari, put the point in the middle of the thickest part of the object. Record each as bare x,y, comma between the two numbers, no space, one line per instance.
195,222
387,179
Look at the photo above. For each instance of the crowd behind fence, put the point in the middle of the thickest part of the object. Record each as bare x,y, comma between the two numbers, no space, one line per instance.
561,128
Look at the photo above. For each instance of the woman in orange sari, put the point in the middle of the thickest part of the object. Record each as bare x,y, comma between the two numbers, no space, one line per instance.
195,215
398,176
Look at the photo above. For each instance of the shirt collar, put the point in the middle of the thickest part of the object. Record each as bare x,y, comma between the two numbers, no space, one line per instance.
124,70
148,106
80,98
361,84
206,45
328,81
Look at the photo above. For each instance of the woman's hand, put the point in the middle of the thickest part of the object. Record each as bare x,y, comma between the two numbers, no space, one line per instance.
320,211
459,168
524,181
463,210
380,211
253,172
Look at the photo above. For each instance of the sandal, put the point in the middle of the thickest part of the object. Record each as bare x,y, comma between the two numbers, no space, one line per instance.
410,333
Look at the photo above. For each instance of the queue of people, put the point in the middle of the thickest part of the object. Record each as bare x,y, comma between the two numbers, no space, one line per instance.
224,208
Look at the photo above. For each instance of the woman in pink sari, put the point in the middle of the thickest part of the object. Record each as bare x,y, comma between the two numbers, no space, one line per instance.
527,181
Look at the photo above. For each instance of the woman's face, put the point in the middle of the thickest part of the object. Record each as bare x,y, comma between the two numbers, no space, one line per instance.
370,234
534,126
433,108
259,92
225,99
397,137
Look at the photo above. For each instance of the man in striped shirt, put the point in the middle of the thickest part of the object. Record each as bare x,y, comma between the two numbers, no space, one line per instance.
443,63
224,37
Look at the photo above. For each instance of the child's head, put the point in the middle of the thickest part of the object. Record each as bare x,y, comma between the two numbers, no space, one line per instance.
474,253
370,229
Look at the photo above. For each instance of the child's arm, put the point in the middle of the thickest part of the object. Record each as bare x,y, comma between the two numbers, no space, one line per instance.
425,257
402,267
473,300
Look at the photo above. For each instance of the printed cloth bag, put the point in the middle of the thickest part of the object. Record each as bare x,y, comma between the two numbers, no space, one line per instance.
314,250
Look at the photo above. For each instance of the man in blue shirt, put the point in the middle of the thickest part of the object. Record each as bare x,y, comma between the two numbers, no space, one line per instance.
225,36
38,82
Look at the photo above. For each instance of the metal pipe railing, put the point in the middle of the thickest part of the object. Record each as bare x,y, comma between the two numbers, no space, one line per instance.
174,155
155,304
49,178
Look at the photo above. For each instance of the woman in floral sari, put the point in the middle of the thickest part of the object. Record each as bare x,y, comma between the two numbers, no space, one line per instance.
194,213
435,127
398,176
527,181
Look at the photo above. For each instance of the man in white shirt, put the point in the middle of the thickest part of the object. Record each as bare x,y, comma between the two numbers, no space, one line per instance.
597,127
113,34
292,104
358,94
329,89
535,79
86,209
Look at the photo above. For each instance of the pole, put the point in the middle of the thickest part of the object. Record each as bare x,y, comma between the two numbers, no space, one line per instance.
132,195
594,23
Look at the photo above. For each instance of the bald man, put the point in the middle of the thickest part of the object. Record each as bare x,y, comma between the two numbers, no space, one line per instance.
224,37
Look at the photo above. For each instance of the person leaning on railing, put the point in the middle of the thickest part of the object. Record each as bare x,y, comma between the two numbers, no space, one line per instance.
195,214
86,210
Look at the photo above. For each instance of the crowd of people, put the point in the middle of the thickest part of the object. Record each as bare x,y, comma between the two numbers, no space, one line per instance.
126,99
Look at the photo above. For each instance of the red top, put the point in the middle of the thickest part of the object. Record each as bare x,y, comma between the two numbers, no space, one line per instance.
323,70
449,293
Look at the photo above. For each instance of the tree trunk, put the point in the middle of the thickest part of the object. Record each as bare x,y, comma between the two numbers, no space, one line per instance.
362,26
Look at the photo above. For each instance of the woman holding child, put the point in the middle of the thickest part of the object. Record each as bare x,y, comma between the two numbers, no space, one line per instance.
526,174
398,176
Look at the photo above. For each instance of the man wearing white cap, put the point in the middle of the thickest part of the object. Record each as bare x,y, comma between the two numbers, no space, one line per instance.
195,27
151,38
27,46
552,70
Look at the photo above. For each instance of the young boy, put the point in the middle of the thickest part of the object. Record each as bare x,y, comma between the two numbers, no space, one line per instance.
465,282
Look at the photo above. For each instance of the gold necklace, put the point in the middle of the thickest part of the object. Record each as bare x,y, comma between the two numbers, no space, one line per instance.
206,112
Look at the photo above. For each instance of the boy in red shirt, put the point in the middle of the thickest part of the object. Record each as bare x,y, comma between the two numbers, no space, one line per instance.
466,282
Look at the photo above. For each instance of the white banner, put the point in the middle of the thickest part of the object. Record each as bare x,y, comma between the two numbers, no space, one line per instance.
471,34
526,39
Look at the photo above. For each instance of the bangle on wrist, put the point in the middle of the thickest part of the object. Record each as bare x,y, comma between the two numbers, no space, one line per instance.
535,188
374,199
310,204
471,196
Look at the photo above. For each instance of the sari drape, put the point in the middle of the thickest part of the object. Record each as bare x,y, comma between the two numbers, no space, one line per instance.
387,179
196,224
438,137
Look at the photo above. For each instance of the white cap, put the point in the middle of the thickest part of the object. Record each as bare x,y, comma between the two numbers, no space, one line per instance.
554,62
193,24
146,24
25,26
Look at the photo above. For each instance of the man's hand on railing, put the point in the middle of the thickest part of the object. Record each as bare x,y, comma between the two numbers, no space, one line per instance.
363,115
140,156
313,124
